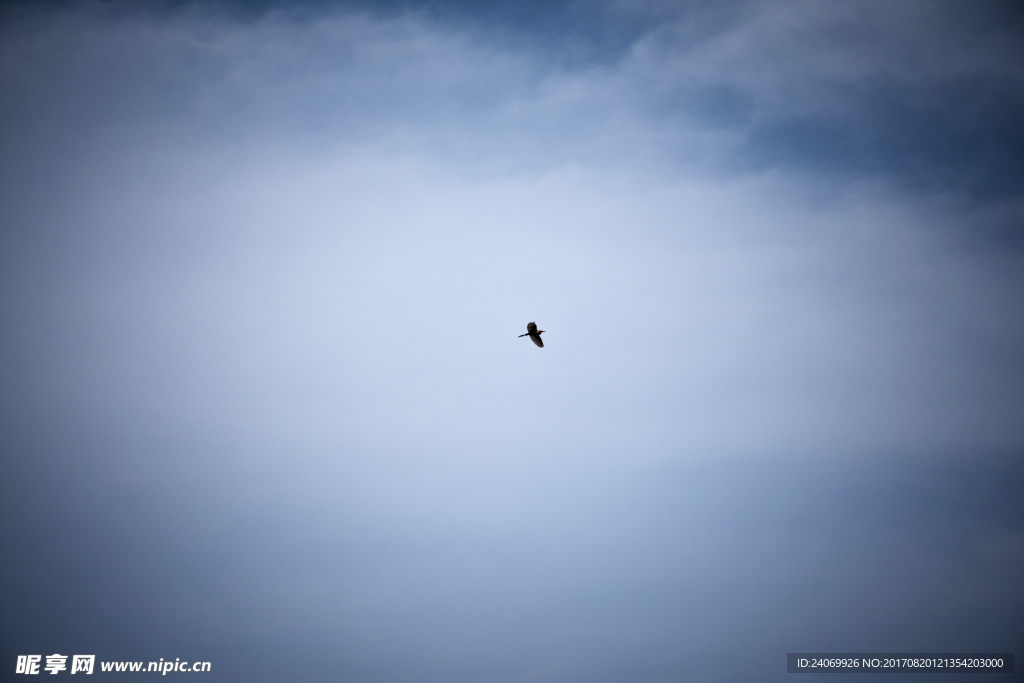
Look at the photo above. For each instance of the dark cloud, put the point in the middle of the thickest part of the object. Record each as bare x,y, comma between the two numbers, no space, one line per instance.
959,137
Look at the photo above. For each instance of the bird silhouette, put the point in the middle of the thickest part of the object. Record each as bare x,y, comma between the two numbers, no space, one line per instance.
533,333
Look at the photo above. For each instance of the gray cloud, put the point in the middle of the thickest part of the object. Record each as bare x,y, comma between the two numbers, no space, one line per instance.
264,403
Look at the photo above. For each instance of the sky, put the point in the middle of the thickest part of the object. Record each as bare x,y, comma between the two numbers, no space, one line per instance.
263,268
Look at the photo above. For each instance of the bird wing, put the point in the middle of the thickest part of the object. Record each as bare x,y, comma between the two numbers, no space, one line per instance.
537,340
531,328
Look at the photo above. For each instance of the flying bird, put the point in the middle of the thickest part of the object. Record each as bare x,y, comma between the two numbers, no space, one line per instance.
534,334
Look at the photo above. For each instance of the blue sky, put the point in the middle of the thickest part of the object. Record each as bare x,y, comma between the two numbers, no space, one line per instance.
262,272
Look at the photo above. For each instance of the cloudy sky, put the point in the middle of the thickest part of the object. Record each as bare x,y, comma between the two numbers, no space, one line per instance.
262,272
